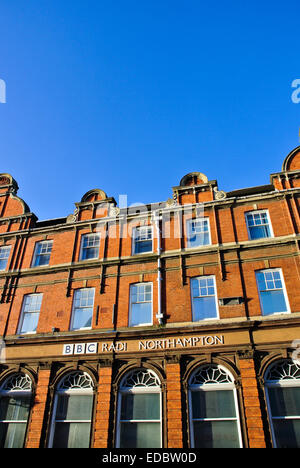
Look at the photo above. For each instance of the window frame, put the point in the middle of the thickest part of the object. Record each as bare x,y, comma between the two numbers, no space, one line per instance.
138,391
5,248
15,394
36,255
266,211
60,391
288,311
23,313
74,308
213,387
144,302
289,383
188,230
217,317
134,231
83,249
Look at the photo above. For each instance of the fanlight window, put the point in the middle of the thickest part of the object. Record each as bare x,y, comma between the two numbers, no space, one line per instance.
139,411
141,378
15,398
72,412
78,380
213,409
18,382
287,370
282,383
210,375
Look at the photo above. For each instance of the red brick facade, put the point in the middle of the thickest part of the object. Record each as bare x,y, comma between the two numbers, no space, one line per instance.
240,338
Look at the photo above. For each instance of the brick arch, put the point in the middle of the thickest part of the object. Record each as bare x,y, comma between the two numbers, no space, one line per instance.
132,366
203,361
94,195
292,161
63,373
193,178
19,370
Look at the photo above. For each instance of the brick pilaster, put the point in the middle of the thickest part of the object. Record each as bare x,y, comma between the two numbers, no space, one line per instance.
101,427
174,410
38,410
253,414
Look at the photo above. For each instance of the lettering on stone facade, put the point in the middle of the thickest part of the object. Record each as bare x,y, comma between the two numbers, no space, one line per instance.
143,345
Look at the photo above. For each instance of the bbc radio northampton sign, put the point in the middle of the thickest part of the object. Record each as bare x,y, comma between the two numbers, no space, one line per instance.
143,345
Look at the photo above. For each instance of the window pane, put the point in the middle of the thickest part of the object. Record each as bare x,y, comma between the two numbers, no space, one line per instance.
258,225
72,435
83,318
83,308
204,308
140,406
287,433
89,253
273,302
14,409
90,247
198,233
259,232
213,404
30,322
74,407
41,260
140,435
216,434
12,435
142,240
143,246
32,303
141,313
42,253
4,255
285,401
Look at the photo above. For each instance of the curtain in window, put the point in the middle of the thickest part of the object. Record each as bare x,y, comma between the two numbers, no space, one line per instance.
72,418
15,398
282,382
214,418
139,413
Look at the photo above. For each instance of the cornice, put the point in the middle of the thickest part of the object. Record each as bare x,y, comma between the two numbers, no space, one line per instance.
179,329
125,216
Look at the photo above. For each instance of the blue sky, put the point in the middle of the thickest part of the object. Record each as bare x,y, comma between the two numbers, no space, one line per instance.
129,96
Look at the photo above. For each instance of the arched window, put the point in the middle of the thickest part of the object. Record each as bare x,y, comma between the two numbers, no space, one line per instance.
15,398
213,409
282,384
72,412
139,411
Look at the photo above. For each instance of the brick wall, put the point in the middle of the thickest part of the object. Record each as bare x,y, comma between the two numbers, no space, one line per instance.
174,412
256,436
38,410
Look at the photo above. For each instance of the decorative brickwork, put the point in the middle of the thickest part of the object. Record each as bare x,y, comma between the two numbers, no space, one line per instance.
174,412
256,436
38,410
102,417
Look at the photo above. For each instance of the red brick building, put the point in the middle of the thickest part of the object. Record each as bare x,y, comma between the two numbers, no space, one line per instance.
171,325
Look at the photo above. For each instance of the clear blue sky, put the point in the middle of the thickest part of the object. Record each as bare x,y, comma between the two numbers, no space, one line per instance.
129,96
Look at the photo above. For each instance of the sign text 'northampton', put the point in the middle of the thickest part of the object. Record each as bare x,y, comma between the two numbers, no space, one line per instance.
143,345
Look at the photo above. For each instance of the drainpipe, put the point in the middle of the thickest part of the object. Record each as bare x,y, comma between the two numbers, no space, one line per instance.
156,219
